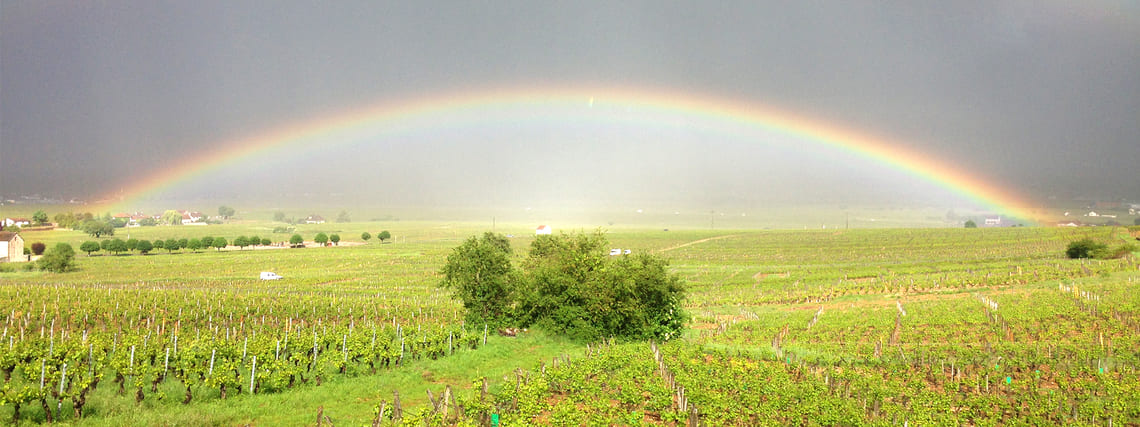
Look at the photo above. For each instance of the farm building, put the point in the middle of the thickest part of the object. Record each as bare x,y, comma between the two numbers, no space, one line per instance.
542,230
314,219
11,247
19,222
993,221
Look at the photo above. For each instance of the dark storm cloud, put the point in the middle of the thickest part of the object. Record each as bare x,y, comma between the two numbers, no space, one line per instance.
1041,95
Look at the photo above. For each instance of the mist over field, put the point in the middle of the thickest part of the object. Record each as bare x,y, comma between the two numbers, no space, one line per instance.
1037,99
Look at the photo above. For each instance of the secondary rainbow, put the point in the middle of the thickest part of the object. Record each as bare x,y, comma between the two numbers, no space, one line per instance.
419,112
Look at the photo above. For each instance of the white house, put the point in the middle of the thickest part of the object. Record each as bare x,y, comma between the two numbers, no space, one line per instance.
993,221
11,247
19,222
190,217
314,219
542,230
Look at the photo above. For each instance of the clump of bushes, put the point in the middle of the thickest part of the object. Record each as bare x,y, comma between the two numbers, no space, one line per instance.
1088,248
567,285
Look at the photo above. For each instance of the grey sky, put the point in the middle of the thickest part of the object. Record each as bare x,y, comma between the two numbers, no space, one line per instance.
1041,95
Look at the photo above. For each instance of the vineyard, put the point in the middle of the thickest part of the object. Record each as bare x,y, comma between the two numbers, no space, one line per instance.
923,326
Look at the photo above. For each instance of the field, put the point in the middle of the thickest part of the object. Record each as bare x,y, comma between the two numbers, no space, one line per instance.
823,326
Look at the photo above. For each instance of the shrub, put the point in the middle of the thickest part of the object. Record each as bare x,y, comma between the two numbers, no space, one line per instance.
58,259
38,248
568,286
1083,248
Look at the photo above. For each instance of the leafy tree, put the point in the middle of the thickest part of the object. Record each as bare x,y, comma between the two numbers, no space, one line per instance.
207,242
148,222
266,242
971,224
225,211
89,247
66,220
335,238
144,247
97,228
385,235
159,244
1083,248
119,222
194,245
254,240
479,272
118,245
105,245
132,244
296,240
58,259
219,243
568,286
279,216
171,245
182,243
241,242
321,238
343,217
40,218
172,217
365,236
38,248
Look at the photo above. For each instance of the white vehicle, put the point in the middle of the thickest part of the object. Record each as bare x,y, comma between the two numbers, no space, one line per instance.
269,275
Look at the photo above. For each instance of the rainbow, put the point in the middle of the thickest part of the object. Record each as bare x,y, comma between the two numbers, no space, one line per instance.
447,109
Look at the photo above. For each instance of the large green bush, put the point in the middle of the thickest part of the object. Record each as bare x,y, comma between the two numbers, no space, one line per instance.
568,285
58,259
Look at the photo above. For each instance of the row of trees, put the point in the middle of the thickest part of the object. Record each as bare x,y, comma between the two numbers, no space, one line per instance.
117,246
382,236
567,285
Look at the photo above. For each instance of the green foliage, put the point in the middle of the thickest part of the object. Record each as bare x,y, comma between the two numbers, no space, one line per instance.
219,243
89,247
207,242
159,243
1084,248
296,239
172,245
266,242
335,238
96,228
117,246
241,242
148,222
479,272
569,287
343,217
971,224
383,235
321,238
225,211
40,217
144,246
194,244
279,216
253,240
172,217
58,259
132,244
365,236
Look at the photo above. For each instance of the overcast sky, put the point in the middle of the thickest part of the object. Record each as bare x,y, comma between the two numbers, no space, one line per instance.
1041,96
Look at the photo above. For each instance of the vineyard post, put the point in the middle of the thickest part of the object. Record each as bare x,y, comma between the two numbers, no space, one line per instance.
166,362
62,380
43,370
484,334
252,371
244,346
277,353
211,371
